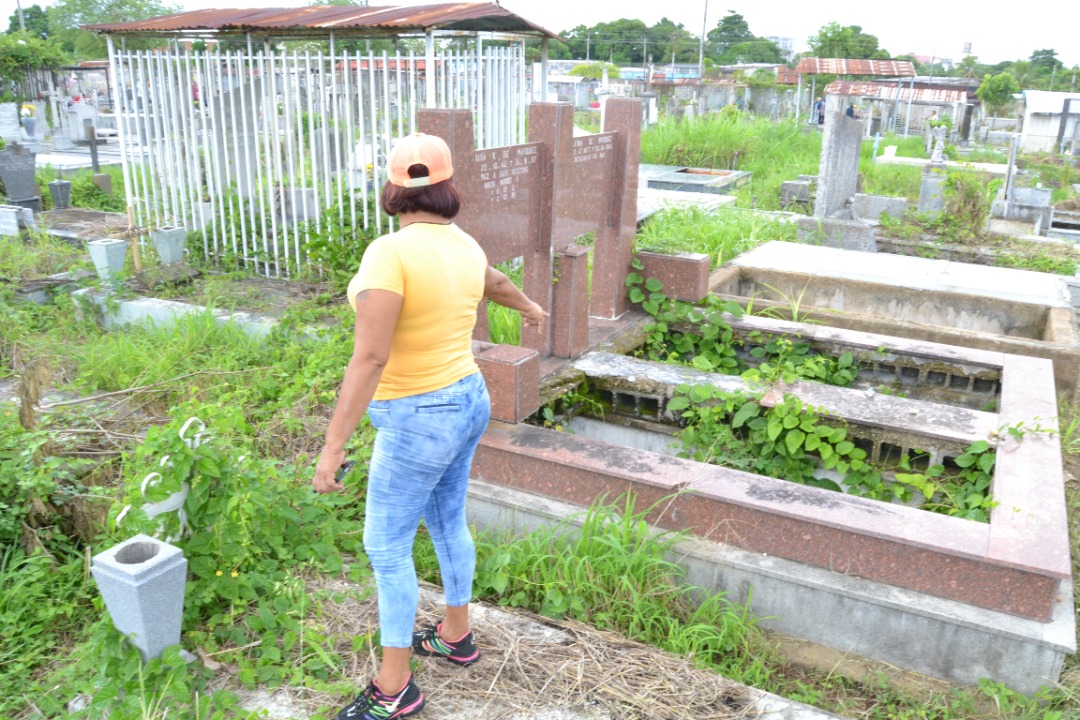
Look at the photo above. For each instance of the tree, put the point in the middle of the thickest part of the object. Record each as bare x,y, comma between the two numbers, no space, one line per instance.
22,52
623,42
66,17
968,67
578,44
672,40
835,41
996,91
731,30
595,70
36,19
1046,60
1022,73
758,50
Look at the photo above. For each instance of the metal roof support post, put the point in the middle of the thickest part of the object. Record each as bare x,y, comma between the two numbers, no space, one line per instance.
544,69
121,130
798,98
429,69
911,96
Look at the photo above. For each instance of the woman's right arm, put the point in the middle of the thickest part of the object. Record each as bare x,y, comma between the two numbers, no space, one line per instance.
500,289
376,316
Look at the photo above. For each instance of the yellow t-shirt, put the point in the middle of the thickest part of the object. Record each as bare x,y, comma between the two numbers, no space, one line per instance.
439,272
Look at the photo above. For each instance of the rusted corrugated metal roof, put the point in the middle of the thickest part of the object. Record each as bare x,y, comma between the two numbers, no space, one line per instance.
786,76
889,91
473,17
848,66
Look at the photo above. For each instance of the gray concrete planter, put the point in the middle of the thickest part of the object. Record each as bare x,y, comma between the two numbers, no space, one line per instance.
142,582
61,193
169,242
108,256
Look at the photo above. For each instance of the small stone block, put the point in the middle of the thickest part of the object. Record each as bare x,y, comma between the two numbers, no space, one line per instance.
570,305
103,182
142,582
793,191
685,276
512,375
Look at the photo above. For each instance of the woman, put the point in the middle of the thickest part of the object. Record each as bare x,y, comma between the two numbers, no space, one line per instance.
412,371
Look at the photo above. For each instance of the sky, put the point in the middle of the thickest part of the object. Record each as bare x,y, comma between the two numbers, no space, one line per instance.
938,29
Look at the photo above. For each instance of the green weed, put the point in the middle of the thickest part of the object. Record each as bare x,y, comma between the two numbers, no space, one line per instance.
613,574
721,233
37,254
772,152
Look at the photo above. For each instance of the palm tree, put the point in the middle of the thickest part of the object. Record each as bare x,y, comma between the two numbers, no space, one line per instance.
967,66
1021,70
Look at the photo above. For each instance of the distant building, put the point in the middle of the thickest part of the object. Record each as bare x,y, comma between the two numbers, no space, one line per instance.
563,67
1051,121
786,45
945,64
747,69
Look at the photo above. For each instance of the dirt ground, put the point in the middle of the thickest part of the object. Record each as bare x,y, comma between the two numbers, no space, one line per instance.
265,296
532,668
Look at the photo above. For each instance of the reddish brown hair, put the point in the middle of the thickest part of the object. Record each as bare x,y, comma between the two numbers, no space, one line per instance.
442,198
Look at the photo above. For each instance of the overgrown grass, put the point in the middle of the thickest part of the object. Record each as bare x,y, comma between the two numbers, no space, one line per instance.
504,324
721,233
38,254
613,573
45,600
148,354
772,152
84,193
911,146
587,120
892,180
1055,173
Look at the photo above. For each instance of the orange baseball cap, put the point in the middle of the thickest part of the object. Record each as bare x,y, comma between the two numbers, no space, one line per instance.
430,151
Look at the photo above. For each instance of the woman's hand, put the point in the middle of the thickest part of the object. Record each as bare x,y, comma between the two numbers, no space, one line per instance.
325,470
533,315
500,289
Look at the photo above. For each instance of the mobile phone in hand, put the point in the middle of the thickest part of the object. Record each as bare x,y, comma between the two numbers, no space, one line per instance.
343,470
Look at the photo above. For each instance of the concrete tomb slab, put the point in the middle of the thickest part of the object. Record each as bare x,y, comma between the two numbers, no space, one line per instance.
700,180
1015,566
974,306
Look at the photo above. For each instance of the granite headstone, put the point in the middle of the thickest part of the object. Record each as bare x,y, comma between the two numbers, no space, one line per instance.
17,168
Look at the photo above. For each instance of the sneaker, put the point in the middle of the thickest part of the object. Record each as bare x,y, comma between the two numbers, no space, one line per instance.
426,641
374,704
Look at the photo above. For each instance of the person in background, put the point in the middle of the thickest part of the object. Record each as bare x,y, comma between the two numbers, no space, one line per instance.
412,371
819,111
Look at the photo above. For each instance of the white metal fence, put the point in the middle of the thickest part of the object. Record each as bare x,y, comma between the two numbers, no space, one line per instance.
259,148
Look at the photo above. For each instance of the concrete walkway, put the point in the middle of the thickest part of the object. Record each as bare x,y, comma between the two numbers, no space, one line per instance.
989,168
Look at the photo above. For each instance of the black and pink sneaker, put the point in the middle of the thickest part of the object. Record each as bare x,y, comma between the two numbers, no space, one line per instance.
426,641
374,704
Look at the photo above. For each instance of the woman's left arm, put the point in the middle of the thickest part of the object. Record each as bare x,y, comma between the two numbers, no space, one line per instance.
376,316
